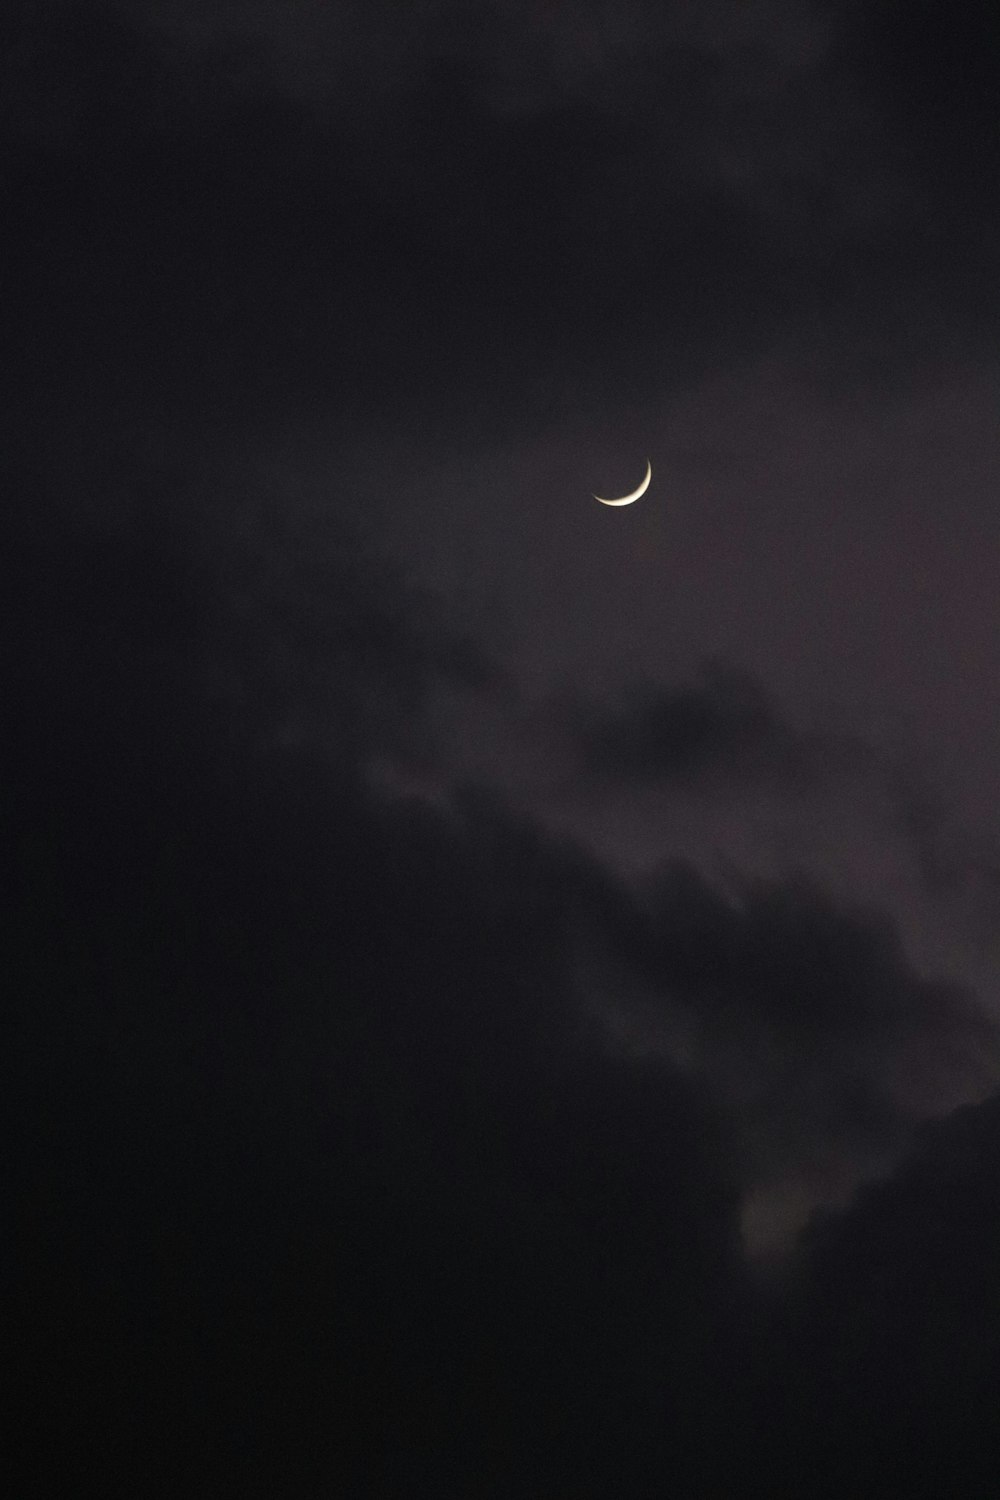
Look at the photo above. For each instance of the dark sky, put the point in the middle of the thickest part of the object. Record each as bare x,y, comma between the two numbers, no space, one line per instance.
506,995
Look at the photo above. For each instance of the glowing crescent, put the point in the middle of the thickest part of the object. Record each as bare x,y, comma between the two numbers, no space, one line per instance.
627,499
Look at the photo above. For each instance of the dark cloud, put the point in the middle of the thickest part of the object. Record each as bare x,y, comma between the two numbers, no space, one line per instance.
894,1356
875,1365
319,1086
933,72
185,229
930,75
159,263
724,723
310,1114
297,1035
803,1014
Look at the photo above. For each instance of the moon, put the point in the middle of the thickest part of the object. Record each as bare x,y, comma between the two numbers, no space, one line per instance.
627,499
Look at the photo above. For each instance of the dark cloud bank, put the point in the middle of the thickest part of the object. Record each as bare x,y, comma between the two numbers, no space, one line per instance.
328,1177
187,222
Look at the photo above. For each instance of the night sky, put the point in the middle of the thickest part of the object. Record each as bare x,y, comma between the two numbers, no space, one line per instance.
506,992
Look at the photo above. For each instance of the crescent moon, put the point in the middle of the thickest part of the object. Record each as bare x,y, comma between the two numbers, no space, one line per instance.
627,499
